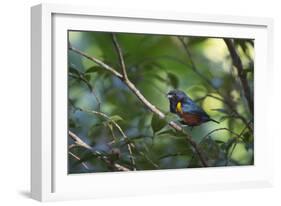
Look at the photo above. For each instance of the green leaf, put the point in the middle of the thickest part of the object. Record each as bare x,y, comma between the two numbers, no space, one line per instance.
221,110
93,69
116,118
74,71
157,123
173,80
87,77
168,131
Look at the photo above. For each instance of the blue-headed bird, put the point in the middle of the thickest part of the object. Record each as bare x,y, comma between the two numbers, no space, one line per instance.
190,113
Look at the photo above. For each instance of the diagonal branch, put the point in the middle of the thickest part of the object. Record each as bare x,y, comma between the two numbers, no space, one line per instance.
129,145
97,61
139,95
79,159
236,60
78,141
81,143
155,110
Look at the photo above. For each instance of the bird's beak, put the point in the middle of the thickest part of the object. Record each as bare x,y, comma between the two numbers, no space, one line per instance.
169,96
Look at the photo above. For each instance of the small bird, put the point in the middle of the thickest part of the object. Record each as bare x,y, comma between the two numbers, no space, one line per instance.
182,105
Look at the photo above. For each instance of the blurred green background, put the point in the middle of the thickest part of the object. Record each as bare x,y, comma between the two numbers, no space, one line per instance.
156,64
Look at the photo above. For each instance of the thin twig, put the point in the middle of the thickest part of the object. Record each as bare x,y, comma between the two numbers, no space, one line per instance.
242,118
79,159
130,145
194,68
124,73
97,61
90,87
81,143
150,106
236,60
233,110
112,133
149,160
120,56
237,136
220,129
233,148
106,117
127,141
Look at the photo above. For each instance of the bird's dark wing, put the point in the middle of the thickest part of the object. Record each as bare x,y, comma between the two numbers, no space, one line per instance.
192,108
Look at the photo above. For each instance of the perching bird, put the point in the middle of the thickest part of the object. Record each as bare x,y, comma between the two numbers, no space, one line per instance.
182,105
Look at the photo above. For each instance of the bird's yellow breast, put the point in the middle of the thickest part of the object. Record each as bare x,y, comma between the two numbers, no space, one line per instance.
179,108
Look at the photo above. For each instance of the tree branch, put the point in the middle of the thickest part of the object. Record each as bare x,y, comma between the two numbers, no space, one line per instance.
220,129
236,60
120,56
79,159
225,100
129,145
242,118
81,143
139,95
97,61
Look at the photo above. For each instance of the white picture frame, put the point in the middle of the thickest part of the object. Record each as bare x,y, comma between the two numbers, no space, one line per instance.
49,178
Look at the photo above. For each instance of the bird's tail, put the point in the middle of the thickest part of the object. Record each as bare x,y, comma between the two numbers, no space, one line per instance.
214,121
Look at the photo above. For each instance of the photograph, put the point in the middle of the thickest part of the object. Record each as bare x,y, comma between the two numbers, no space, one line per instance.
139,101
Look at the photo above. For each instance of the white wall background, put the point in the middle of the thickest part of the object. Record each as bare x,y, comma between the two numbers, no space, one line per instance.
15,108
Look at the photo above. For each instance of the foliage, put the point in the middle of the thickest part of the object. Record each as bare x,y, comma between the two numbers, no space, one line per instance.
200,66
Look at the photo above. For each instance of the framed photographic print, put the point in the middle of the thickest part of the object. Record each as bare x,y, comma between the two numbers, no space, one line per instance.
137,102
